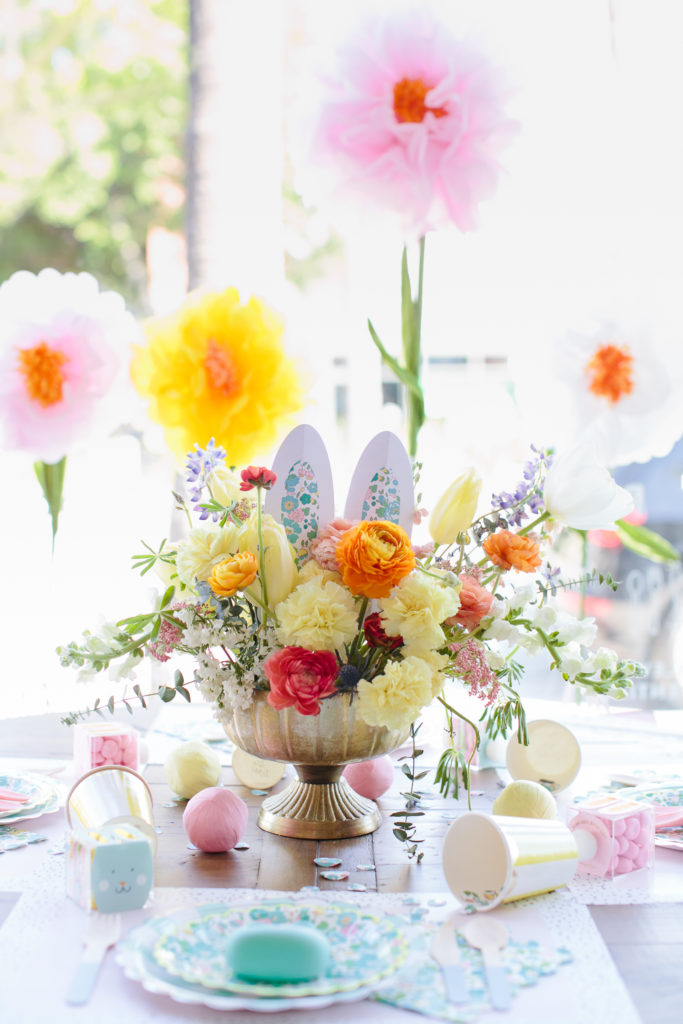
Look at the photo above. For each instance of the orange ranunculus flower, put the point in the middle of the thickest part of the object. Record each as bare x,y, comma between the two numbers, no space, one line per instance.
510,551
373,557
233,574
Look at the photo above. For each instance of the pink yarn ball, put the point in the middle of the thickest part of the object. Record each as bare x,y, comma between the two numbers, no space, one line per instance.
370,778
215,819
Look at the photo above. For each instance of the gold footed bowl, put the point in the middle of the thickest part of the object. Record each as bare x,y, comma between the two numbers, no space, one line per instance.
320,804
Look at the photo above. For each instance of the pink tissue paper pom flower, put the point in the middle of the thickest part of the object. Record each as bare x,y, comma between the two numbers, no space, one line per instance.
413,120
62,344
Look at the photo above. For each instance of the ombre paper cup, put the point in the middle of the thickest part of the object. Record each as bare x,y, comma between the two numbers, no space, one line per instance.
491,859
552,757
111,795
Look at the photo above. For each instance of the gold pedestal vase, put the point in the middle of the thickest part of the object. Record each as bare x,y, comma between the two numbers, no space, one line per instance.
320,804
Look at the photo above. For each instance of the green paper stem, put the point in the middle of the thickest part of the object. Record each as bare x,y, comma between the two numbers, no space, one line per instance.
51,478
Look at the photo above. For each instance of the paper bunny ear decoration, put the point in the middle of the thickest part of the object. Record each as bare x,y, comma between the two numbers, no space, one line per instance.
382,484
302,499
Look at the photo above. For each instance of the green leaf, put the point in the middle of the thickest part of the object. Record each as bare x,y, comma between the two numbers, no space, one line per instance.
646,542
400,834
178,677
408,379
167,596
138,693
167,693
110,705
184,692
51,479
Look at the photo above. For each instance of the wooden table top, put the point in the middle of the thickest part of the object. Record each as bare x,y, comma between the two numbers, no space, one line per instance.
645,941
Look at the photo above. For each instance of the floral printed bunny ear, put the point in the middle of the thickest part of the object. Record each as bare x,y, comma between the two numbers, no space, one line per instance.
302,498
382,484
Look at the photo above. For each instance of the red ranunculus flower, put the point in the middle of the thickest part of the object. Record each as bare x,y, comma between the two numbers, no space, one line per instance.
257,476
300,678
375,635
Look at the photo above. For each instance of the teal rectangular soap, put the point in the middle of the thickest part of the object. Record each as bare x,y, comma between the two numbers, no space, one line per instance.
278,953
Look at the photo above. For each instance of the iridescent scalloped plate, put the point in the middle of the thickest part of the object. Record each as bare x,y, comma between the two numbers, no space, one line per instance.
181,955
44,796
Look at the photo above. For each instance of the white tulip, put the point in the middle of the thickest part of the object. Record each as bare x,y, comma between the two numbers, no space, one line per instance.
581,493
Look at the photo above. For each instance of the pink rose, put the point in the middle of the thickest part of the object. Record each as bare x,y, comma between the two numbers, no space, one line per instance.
300,678
475,603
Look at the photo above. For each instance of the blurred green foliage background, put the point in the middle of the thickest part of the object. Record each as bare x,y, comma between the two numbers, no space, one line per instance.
93,126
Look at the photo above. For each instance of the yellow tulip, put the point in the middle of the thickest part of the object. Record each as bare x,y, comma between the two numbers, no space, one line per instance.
455,510
280,567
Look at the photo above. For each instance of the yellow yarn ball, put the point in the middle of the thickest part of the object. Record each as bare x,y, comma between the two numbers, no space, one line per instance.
525,799
191,767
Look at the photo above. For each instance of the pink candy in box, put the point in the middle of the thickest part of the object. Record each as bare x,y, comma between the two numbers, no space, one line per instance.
99,744
614,835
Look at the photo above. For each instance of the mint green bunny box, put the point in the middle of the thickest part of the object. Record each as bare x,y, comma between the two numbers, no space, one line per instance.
109,869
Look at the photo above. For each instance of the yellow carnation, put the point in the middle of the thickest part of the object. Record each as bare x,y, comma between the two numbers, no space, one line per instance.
436,663
396,698
319,615
217,368
205,547
233,574
416,608
311,570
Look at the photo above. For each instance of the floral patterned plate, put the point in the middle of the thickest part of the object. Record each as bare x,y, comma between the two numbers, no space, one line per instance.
135,954
365,948
44,796
663,796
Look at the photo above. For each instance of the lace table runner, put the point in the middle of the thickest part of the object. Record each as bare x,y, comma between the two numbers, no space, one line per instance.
40,946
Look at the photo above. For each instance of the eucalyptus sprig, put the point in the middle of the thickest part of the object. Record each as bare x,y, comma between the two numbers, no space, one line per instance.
403,827
165,692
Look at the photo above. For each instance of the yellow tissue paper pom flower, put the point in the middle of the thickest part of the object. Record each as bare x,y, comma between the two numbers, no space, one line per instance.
396,698
204,547
217,368
416,608
318,615
233,574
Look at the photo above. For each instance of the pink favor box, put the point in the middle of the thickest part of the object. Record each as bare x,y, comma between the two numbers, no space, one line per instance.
103,743
614,835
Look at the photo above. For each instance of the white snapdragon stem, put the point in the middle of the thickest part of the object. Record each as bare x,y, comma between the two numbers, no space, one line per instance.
581,493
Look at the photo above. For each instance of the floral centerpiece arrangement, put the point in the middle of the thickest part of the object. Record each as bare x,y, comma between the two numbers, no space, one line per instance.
358,610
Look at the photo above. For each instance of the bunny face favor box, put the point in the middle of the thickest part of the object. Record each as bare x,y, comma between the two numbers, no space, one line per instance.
109,869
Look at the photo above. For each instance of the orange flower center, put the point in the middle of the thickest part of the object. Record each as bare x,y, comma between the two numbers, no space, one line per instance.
43,374
220,371
409,101
610,373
